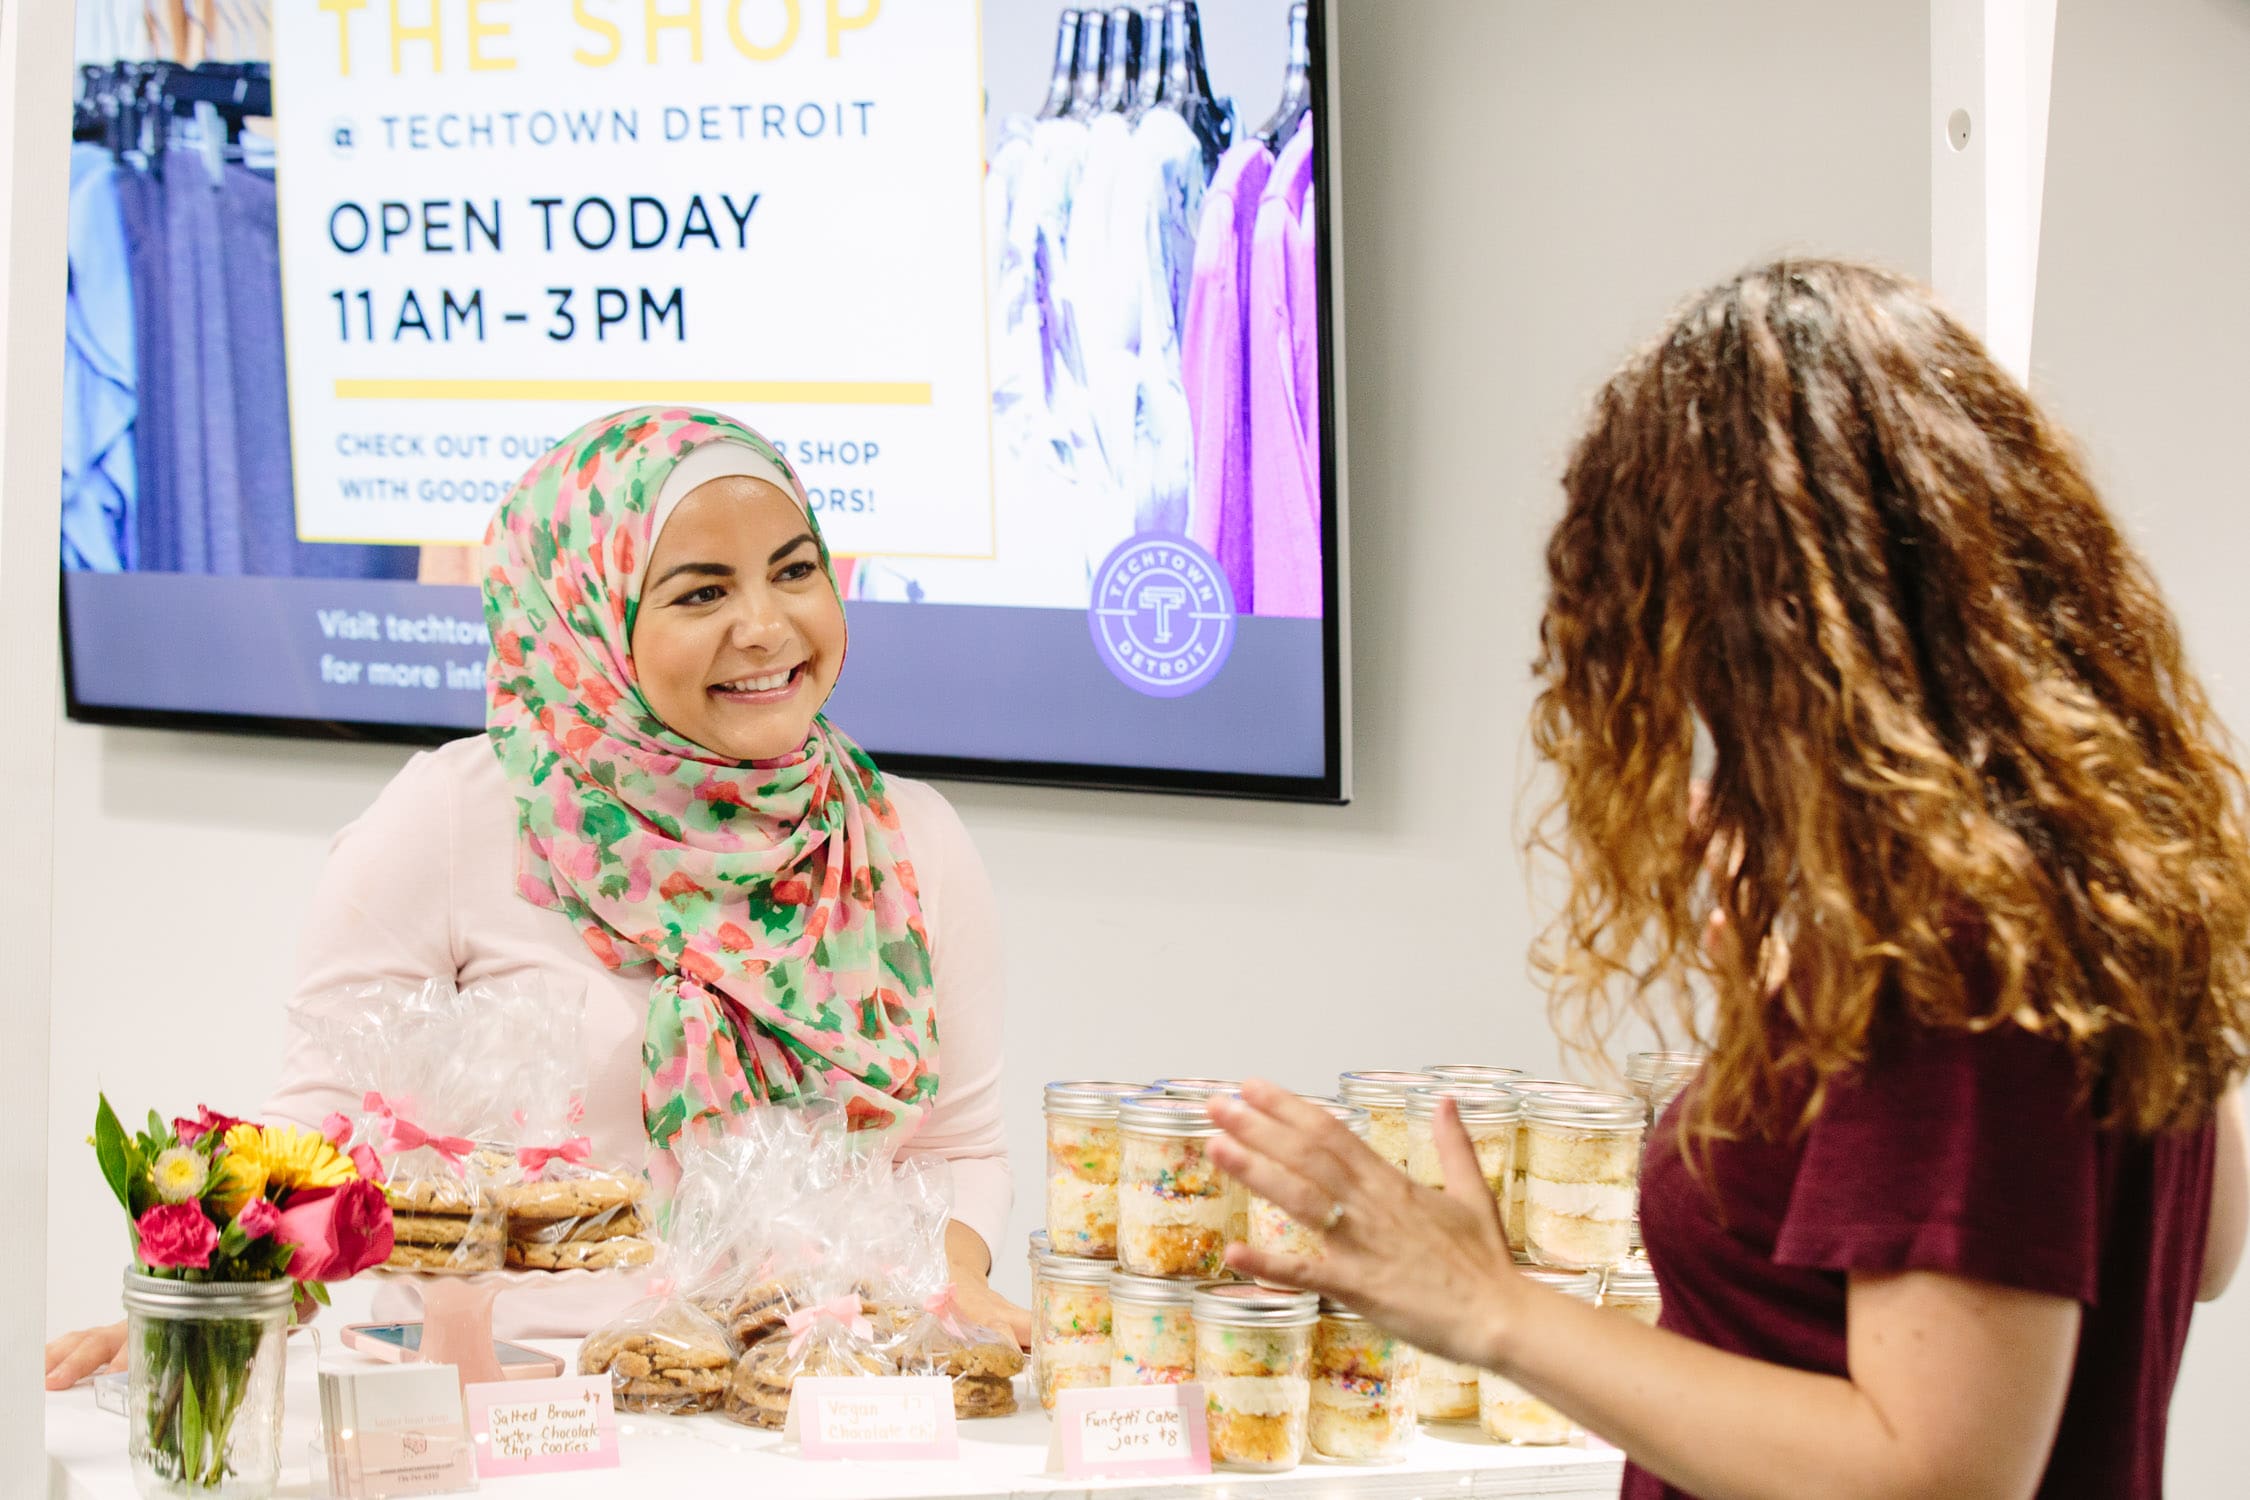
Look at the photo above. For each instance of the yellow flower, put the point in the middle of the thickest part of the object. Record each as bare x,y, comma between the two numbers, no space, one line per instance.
235,1181
290,1157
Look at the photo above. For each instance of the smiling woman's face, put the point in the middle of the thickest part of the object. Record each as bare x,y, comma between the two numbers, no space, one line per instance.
740,635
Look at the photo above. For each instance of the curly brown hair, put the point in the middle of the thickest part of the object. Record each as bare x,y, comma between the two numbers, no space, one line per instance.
1955,728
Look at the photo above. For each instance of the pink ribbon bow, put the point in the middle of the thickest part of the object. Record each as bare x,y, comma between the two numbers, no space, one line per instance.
944,1304
534,1159
844,1310
404,1135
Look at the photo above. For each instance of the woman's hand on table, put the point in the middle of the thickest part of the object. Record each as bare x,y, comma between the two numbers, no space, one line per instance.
970,1260
89,1351
1431,1266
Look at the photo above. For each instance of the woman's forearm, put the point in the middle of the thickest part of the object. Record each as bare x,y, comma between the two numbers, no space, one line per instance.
966,1252
1714,1424
1725,1427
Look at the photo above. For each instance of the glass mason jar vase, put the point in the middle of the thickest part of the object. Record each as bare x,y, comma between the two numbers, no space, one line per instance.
1382,1093
1082,1154
204,1363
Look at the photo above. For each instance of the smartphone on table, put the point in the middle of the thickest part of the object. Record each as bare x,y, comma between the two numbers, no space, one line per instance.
399,1342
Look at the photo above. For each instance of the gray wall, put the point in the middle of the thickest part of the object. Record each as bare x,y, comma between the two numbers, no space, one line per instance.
2140,344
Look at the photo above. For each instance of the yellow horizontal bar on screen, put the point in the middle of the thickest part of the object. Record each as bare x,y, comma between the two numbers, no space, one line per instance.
647,392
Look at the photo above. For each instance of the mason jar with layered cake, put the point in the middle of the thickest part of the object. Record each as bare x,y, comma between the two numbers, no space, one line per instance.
1363,1380
1082,1157
1070,1322
1383,1094
1474,1073
1175,1208
1509,1413
1582,1162
1489,1115
1657,1078
1274,1230
1629,1287
1152,1330
1197,1088
1529,1088
1253,1358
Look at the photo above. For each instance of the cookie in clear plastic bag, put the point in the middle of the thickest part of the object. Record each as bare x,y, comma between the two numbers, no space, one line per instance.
830,1338
662,1357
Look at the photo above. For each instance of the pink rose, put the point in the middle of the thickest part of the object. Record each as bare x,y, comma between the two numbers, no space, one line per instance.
368,1164
258,1218
337,1232
176,1234
337,1129
204,1123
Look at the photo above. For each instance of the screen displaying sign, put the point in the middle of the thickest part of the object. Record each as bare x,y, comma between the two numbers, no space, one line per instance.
1036,300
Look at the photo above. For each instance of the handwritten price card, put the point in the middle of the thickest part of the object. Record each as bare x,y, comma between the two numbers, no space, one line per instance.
543,1426
860,1417
1150,1431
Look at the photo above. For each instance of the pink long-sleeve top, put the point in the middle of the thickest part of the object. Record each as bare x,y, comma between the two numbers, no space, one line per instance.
423,887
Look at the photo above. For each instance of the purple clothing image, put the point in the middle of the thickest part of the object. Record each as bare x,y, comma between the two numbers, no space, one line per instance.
1284,381
1215,363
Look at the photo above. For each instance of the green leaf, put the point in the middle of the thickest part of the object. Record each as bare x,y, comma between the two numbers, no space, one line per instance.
191,1424
232,1240
158,1131
110,1151
318,1291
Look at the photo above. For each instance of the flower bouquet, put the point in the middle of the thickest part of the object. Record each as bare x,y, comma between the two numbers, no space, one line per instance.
233,1224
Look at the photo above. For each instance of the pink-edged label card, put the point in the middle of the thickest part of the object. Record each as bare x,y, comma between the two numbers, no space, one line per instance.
543,1426
1142,1431
871,1417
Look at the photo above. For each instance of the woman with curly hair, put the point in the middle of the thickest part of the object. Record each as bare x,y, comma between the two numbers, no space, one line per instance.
1962,915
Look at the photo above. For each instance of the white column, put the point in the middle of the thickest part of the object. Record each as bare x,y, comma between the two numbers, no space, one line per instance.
1991,76
35,93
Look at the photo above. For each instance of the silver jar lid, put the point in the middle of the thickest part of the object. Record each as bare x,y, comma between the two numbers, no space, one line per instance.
1355,1119
1150,1291
165,1296
1165,1114
1632,1277
1586,1286
1380,1088
1075,1270
1475,1103
1647,1067
1245,1304
1197,1088
1474,1073
1586,1111
1089,1099
1335,1311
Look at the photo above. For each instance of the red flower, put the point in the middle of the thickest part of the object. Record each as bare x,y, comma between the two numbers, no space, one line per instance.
859,1114
604,949
621,549
176,1234
679,884
816,925
582,739
795,891
597,692
337,1232
566,668
510,648
258,1218
368,1164
206,1121
734,939
701,967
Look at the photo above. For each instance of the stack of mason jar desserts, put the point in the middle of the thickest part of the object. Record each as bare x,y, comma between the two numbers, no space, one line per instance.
1130,1287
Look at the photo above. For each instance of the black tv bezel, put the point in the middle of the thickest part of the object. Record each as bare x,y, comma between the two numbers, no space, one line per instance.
1328,788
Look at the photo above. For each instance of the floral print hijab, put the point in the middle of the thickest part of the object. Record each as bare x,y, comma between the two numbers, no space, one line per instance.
773,904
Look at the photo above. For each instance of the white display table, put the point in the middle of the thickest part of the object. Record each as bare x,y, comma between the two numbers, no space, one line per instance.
1000,1460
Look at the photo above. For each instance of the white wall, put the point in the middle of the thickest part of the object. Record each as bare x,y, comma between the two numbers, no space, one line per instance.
1530,188
2143,324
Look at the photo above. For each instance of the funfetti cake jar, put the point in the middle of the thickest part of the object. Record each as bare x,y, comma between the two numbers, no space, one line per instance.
1581,1171
1363,1390
1274,1230
1382,1093
1489,1115
1082,1160
1253,1357
1175,1208
1152,1330
1511,1414
1070,1322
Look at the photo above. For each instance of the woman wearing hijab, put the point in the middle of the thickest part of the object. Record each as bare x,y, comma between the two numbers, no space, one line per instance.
659,817
1936,1213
